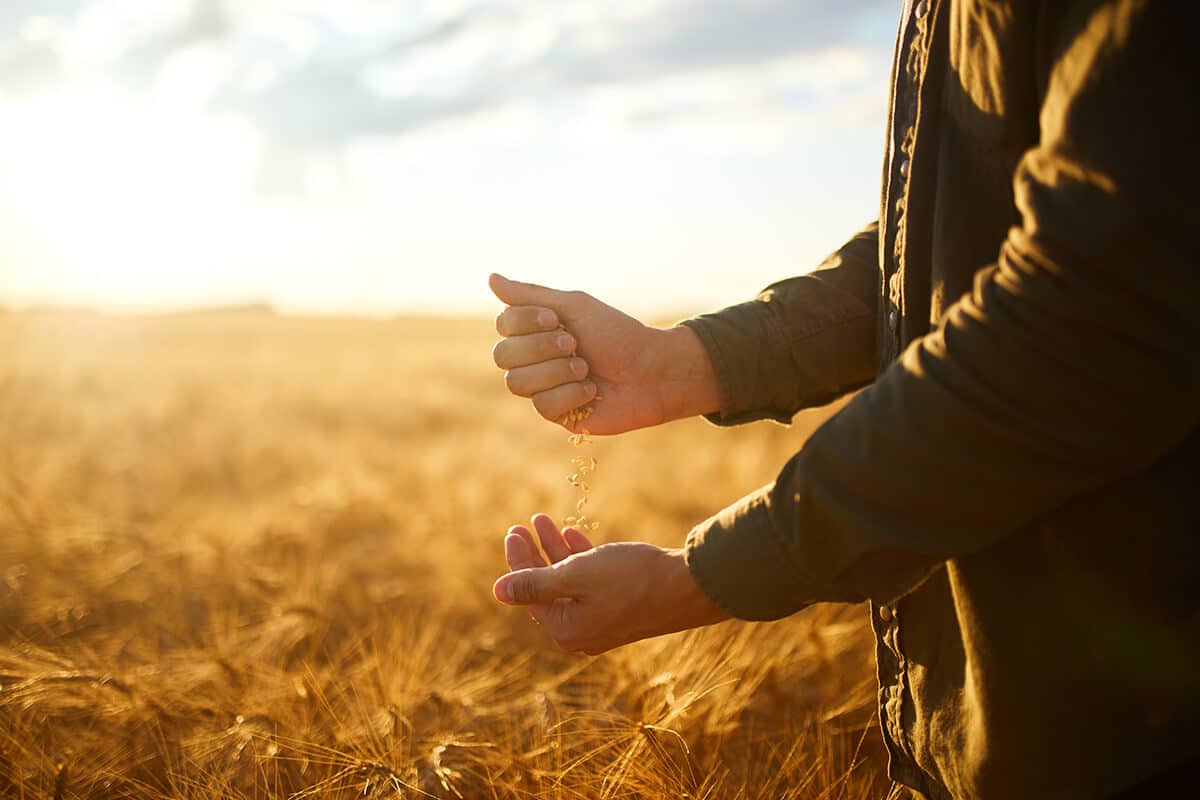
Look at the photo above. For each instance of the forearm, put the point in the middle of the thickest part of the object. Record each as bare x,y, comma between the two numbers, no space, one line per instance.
1071,366
802,342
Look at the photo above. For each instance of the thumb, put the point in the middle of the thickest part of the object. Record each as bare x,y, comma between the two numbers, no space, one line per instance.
526,587
516,293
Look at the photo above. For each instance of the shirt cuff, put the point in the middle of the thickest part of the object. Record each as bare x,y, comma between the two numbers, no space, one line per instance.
787,350
736,375
738,561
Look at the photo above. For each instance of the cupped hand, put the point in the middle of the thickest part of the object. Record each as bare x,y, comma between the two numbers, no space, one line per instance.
643,375
592,599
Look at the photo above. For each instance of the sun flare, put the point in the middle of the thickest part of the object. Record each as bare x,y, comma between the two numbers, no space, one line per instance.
113,186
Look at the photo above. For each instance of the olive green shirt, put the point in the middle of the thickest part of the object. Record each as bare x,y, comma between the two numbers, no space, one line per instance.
1016,490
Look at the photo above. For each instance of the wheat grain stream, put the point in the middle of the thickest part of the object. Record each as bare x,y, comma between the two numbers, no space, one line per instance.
249,556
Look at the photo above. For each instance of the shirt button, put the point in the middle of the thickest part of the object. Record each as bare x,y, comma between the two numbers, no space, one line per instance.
904,168
922,8
885,613
894,324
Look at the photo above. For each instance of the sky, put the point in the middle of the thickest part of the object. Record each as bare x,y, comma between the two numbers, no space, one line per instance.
382,157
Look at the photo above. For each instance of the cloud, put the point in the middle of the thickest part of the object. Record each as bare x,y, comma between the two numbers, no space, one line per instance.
28,67
315,77
406,84
15,14
48,41
141,63
29,57
691,35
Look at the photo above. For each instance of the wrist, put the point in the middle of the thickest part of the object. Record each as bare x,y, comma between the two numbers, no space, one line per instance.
688,386
694,607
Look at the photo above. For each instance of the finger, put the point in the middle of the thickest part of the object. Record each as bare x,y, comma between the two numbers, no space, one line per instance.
554,403
552,541
528,381
520,553
516,293
517,553
533,348
520,320
525,534
576,540
529,587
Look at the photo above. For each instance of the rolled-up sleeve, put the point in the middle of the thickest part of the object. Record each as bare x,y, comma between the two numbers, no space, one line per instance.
802,342
1073,362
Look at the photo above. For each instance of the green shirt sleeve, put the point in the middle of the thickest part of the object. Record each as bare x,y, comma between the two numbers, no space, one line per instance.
1073,362
802,342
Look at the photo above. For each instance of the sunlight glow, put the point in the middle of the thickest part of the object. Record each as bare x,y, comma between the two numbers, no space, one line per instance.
382,158
113,187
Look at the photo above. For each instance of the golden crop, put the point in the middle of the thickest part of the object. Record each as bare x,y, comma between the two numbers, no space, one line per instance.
249,556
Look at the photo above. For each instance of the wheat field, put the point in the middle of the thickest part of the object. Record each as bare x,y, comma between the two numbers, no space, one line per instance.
245,555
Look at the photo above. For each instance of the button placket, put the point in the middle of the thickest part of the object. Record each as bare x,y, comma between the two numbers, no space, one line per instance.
910,67
895,296
890,696
894,706
911,71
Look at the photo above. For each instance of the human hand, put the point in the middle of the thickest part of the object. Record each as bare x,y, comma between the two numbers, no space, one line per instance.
645,375
592,599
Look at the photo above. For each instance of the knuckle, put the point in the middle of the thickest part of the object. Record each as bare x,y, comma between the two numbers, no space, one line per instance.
502,323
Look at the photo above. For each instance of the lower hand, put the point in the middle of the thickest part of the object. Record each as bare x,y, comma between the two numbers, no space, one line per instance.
592,599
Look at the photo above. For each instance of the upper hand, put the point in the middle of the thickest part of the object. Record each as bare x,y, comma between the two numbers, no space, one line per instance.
643,375
592,599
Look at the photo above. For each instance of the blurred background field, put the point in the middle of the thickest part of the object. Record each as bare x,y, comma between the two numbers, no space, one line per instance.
247,555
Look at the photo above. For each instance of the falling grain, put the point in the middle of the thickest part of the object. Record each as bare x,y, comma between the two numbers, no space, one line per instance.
584,466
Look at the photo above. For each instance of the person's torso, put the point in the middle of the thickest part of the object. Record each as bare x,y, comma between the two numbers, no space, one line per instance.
1065,660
